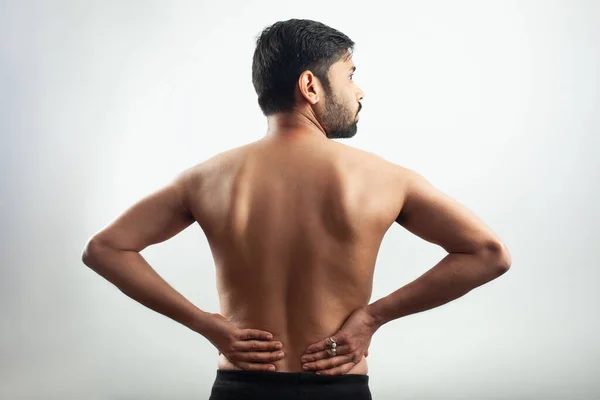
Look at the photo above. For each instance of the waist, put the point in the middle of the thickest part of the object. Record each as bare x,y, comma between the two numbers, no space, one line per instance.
288,385
231,377
290,365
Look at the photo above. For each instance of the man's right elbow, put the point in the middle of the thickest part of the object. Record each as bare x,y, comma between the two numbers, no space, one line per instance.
498,255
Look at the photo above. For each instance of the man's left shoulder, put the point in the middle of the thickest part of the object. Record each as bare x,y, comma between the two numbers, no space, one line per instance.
214,165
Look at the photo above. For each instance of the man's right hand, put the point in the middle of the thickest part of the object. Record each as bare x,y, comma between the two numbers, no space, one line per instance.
353,341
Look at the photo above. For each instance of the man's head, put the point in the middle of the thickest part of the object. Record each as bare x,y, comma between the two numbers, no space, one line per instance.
304,68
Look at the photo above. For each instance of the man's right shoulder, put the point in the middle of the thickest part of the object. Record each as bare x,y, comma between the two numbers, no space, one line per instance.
376,162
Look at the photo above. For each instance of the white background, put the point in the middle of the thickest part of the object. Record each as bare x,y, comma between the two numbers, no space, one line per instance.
495,102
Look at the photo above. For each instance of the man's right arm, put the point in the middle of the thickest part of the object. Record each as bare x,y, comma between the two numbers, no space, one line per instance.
476,255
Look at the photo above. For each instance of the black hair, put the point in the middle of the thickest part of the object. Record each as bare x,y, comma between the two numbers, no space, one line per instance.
286,49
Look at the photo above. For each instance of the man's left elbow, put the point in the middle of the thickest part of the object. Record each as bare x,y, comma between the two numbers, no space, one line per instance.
89,251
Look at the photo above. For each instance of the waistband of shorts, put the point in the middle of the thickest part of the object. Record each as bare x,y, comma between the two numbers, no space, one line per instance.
288,378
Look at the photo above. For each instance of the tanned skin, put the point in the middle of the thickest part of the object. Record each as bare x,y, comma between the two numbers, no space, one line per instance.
294,222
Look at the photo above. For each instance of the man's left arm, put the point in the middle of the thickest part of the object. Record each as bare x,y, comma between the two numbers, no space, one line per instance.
114,252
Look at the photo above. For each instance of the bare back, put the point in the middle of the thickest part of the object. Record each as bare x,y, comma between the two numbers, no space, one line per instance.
294,225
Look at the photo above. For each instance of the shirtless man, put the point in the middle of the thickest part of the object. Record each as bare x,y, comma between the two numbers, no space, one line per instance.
294,222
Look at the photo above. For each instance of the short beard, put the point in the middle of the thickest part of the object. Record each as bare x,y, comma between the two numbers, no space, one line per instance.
334,123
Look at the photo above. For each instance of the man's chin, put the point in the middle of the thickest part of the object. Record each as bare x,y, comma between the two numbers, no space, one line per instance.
347,134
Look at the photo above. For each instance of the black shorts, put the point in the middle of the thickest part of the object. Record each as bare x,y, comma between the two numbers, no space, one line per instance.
248,385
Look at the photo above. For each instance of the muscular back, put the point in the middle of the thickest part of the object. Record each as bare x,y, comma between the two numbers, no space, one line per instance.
294,224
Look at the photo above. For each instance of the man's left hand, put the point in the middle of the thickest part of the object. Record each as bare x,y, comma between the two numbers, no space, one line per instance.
248,349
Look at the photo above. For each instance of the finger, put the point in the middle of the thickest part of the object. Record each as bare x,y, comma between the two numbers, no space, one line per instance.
328,363
255,367
320,355
257,357
256,345
321,345
341,370
249,334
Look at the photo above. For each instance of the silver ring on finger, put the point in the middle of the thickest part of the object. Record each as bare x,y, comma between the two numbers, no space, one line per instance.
333,343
